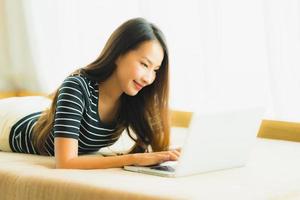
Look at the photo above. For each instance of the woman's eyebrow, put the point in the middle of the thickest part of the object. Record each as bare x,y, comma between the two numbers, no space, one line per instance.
149,61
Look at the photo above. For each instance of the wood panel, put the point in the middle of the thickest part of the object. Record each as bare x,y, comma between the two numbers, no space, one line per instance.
272,129
281,130
20,93
180,118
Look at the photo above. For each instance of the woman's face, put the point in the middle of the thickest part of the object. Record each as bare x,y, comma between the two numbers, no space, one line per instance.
137,68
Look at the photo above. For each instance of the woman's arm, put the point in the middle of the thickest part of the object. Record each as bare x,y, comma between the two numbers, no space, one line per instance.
66,156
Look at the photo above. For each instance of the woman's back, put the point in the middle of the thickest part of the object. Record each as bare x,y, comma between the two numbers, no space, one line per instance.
76,117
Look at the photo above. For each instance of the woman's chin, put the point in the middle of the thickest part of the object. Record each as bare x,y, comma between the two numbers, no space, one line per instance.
132,92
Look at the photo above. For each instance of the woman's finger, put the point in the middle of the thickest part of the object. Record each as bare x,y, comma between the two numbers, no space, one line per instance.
164,157
177,149
176,152
173,155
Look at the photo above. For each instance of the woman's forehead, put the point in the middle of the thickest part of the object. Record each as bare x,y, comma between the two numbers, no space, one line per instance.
151,51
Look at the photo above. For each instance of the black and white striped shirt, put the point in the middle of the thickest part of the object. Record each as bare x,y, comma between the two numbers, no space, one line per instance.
76,117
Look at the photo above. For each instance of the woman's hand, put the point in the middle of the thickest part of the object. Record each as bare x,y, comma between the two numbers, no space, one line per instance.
177,149
144,159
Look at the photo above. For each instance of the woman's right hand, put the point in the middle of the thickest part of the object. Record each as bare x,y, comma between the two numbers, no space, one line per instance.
153,158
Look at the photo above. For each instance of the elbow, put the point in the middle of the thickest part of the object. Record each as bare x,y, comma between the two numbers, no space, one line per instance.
63,165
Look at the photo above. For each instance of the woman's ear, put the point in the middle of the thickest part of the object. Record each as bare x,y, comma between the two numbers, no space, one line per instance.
117,61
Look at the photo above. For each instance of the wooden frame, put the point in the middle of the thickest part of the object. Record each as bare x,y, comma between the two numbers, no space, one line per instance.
271,129
281,130
180,118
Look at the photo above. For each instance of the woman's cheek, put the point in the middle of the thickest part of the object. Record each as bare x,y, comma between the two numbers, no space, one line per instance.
138,72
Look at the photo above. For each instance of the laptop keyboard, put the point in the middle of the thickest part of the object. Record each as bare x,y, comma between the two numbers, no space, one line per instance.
163,168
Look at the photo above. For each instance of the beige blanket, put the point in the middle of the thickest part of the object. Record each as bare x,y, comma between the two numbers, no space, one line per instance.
271,173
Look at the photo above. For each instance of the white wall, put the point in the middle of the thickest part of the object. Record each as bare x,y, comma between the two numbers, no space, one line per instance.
66,35
217,52
223,53
17,65
282,25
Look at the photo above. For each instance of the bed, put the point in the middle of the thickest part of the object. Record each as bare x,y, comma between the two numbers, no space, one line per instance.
272,172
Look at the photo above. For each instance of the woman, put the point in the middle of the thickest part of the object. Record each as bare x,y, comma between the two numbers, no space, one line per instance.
125,88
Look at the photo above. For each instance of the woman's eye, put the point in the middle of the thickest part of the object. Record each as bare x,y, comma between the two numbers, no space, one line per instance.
144,64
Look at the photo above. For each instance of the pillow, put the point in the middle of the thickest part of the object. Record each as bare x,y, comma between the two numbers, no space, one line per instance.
13,109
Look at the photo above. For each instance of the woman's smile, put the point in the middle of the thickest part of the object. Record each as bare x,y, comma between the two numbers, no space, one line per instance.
137,85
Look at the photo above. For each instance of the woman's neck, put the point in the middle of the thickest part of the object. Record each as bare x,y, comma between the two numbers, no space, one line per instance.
110,91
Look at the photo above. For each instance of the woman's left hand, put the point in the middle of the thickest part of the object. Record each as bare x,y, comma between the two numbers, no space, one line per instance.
178,149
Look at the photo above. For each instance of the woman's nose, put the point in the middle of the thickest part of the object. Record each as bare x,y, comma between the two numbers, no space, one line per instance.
148,77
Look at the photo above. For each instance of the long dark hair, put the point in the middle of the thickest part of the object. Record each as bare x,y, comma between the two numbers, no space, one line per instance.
147,113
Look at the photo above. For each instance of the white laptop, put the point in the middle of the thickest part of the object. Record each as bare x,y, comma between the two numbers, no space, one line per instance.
215,141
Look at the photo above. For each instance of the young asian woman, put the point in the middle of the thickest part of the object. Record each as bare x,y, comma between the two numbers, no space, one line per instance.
125,88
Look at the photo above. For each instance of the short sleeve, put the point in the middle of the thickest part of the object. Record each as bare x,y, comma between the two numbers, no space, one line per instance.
69,109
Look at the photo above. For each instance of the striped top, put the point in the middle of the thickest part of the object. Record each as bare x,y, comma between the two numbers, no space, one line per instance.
76,117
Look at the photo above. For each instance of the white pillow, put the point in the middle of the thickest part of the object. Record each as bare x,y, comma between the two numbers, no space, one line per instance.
13,109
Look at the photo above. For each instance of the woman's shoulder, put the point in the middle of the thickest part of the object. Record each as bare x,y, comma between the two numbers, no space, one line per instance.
79,79
82,82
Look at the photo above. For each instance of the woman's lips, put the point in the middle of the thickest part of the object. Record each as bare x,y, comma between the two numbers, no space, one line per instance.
137,85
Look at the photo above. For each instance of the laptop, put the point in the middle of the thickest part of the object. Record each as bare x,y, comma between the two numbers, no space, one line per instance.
215,141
